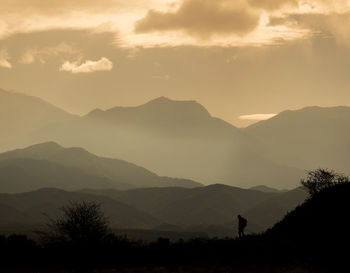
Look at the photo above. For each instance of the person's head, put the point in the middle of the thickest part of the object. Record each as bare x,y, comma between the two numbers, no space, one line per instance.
239,216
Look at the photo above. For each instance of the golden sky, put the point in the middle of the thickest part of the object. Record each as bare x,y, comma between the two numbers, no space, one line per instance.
242,59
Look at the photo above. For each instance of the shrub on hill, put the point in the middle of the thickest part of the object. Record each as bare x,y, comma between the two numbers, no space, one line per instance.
320,179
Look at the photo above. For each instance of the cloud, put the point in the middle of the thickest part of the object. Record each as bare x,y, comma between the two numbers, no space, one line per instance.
88,66
336,25
59,6
202,18
326,6
257,116
4,59
272,4
25,16
154,23
44,53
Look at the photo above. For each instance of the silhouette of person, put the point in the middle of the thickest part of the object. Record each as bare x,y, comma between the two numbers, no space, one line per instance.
242,223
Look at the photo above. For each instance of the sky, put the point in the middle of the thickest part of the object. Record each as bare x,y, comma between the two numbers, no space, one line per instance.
244,60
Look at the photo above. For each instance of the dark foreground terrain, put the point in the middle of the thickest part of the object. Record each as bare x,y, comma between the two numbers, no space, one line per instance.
196,269
312,238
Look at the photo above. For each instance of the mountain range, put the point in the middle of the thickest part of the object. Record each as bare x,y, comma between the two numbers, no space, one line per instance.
181,139
170,138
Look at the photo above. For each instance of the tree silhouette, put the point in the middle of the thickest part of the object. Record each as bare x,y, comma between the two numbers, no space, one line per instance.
320,179
81,224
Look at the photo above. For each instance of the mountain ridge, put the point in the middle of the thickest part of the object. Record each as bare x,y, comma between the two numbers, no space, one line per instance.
209,205
119,173
161,102
31,207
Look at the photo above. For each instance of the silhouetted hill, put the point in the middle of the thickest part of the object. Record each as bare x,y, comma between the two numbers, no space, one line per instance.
210,206
22,115
307,138
318,230
28,209
210,210
90,171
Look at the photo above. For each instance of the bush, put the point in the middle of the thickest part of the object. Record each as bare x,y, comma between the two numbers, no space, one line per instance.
81,224
320,179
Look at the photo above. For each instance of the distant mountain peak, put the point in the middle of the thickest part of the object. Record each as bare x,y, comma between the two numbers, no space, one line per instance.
264,188
161,99
95,111
159,107
50,145
188,107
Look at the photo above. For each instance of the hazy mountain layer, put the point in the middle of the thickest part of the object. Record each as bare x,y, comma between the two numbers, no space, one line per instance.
20,175
181,139
50,165
307,138
171,138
